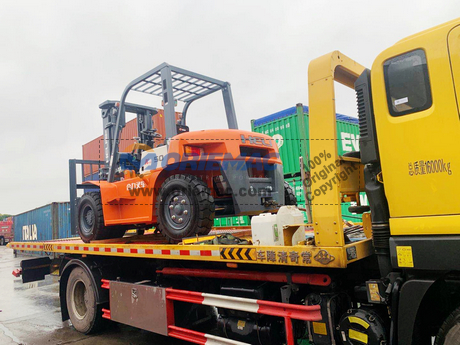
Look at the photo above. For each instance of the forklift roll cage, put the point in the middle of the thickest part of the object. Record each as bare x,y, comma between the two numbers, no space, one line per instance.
171,83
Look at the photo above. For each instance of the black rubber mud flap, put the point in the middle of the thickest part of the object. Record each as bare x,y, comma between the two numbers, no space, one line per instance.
35,269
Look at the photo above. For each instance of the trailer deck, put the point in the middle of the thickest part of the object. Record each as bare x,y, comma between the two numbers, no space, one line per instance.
155,247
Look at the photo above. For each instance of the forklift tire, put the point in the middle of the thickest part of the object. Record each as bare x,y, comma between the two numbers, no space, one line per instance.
90,220
449,333
289,195
84,312
184,207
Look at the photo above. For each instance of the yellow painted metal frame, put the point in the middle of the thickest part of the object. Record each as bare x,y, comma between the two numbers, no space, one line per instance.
327,215
299,255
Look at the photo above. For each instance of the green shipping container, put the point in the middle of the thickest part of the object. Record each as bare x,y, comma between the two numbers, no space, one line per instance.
284,127
296,185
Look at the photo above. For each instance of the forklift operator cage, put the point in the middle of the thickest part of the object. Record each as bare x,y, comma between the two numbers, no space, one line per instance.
172,83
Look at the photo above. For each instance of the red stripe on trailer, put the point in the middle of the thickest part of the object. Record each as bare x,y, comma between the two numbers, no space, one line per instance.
107,250
184,252
283,310
289,332
187,335
276,277
105,284
295,311
149,251
67,247
184,296
133,251
165,252
119,250
106,314
96,249
59,247
205,253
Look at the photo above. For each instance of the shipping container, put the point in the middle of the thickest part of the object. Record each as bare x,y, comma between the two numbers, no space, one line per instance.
297,186
49,222
284,127
94,150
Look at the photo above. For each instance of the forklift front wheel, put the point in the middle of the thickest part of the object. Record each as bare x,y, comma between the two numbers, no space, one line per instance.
90,217
90,221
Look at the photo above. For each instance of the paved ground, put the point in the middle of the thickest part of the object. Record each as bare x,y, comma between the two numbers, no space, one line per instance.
30,314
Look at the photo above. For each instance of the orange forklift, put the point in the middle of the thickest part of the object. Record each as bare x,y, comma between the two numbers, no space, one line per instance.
180,186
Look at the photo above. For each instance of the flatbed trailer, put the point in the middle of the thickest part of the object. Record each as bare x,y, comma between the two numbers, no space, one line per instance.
260,291
398,284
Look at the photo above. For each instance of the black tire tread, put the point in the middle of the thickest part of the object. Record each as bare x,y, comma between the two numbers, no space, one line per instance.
289,195
205,201
452,320
103,232
98,322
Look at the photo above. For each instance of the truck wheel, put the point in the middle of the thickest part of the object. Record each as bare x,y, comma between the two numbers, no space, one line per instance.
184,207
85,314
449,333
90,220
289,195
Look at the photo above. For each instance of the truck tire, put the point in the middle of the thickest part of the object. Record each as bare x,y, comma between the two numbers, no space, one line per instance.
90,220
289,195
184,207
449,333
84,313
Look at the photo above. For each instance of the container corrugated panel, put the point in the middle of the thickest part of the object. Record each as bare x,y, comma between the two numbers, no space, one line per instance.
296,185
94,150
284,128
49,222
159,124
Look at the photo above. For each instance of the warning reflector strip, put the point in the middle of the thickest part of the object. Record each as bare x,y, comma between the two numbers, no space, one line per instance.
200,338
87,249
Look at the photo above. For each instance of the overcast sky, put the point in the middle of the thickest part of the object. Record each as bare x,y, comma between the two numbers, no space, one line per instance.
60,59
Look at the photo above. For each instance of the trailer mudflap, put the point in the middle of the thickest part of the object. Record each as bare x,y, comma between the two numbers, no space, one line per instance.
35,269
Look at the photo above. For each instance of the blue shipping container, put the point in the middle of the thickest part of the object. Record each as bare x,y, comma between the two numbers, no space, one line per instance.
49,222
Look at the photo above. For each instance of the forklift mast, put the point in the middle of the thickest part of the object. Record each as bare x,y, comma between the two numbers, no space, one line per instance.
172,84
146,134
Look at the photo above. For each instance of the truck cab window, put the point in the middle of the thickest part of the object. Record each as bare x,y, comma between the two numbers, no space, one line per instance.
407,83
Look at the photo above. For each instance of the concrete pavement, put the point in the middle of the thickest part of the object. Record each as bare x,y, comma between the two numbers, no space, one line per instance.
30,314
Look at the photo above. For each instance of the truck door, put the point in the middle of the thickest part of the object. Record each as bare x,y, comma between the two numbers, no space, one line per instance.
418,130
454,55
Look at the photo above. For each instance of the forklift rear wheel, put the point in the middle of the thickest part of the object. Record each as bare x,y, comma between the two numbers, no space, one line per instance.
184,207
449,334
84,313
289,195
90,220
